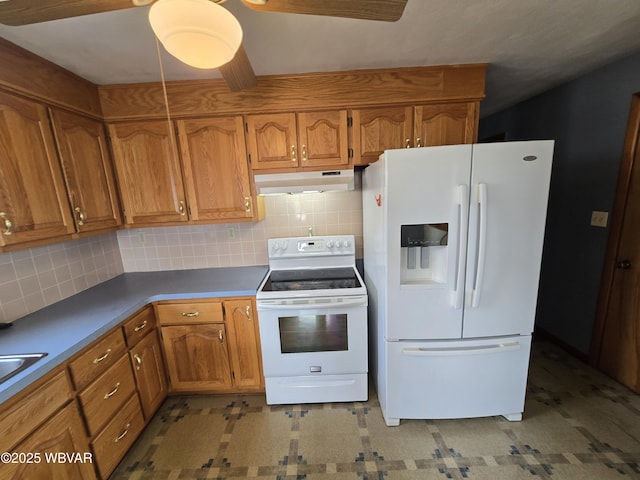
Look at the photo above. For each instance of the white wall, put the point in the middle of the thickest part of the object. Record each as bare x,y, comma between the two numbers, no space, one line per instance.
175,248
34,278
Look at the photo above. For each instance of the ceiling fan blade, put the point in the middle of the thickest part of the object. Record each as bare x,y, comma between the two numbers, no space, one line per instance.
383,10
238,73
24,12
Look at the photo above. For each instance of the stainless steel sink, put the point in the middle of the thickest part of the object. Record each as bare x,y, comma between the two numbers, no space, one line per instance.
11,365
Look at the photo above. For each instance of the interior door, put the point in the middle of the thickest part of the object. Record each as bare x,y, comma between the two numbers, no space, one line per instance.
507,216
617,330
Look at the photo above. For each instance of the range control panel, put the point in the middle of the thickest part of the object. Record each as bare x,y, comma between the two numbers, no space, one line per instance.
312,246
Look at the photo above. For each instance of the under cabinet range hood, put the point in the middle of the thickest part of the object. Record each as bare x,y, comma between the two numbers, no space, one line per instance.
304,182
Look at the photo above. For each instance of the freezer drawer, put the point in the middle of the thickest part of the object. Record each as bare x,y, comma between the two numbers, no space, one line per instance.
456,379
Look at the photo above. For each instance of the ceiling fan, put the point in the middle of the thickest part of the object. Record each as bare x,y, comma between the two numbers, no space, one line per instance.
237,72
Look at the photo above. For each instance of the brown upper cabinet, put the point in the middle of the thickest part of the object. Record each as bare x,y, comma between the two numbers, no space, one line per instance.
216,173
445,124
209,181
33,201
375,130
303,140
88,172
148,171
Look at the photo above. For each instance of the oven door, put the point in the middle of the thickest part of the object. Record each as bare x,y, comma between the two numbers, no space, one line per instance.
313,336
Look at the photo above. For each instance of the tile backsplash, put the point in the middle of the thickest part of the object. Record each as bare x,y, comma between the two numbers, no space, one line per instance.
238,244
34,278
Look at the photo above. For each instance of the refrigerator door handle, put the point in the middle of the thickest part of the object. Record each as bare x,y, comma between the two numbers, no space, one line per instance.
458,351
482,245
463,216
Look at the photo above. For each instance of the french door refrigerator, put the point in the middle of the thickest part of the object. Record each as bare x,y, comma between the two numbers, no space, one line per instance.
452,249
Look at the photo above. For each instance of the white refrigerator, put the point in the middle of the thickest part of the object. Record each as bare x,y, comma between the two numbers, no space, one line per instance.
452,249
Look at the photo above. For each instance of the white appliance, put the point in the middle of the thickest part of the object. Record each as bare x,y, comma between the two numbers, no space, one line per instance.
452,249
312,311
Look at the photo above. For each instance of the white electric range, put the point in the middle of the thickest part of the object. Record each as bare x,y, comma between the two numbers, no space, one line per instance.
312,310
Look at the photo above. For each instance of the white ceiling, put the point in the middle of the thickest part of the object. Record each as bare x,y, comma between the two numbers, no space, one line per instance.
530,45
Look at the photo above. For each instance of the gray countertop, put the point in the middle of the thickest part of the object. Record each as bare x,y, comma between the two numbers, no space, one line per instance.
66,327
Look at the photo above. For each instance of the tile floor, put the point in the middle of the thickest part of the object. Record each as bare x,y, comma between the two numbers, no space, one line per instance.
578,424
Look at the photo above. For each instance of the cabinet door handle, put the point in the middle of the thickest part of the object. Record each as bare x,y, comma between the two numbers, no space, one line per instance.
304,153
123,434
247,204
190,314
103,357
181,208
221,336
80,216
112,392
407,143
138,360
418,142
140,327
247,312
294,157
7,224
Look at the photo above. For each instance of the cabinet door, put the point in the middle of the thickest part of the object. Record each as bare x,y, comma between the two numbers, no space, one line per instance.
244,340
272,141
197,357
322,139
214,159
33,200
446,124
87,170
149,173
146,358
63,434
378,129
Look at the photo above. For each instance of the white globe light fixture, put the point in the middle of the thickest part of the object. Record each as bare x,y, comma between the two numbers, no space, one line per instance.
199,33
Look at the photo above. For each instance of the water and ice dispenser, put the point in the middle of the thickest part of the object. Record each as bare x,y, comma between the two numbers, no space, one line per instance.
424,253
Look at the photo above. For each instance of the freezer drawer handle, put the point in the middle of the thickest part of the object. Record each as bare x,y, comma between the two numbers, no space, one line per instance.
459,351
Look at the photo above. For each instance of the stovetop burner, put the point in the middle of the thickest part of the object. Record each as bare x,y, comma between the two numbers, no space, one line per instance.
311,279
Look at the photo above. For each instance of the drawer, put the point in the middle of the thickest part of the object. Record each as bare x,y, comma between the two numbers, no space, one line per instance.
195,312
99,357
117,437
29,412
139,325
102,398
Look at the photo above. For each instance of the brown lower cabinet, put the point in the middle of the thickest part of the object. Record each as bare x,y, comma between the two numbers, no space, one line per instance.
37,457
211,345
91,409
148,368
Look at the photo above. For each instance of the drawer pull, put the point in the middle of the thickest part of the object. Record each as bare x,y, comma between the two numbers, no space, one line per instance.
190,314
221,336
99,359
123,434
112,392
138,360
140,327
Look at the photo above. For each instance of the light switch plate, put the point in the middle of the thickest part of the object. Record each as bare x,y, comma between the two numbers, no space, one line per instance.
599,219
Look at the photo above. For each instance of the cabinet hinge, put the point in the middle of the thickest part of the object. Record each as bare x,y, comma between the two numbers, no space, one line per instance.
349,121
249,156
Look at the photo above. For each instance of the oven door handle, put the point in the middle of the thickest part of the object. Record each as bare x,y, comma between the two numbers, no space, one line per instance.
279,305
